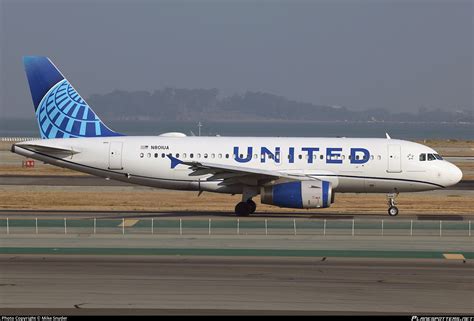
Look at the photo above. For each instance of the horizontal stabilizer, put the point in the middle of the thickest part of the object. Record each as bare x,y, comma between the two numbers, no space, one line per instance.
47,149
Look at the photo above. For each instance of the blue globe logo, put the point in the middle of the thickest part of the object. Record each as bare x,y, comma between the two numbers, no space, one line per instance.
62,113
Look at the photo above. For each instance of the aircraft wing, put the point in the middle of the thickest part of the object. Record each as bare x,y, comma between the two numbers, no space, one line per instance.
230,174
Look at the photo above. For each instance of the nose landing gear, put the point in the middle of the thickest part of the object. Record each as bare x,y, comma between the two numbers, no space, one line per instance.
392,209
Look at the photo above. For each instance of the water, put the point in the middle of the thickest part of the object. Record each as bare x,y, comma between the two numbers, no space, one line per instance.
28,128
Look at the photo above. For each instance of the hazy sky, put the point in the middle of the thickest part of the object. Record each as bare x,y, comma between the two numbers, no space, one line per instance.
399,55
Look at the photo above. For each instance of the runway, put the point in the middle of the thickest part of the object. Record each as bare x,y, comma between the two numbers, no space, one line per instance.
239,269
240,285
84,214
143,273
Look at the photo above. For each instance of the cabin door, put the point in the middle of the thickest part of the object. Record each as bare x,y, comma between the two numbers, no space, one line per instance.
115,155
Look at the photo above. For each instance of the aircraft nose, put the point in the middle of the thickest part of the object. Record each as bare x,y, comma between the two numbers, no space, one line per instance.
454,174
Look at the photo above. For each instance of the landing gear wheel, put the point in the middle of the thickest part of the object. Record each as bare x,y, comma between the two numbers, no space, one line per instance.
393,211
253,206
243,209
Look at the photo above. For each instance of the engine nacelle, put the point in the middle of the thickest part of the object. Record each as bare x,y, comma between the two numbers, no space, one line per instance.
302,194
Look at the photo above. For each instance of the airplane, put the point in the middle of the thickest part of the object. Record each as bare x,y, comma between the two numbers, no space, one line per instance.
302,172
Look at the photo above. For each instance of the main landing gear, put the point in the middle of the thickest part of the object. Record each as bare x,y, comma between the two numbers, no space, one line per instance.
245,208
392,209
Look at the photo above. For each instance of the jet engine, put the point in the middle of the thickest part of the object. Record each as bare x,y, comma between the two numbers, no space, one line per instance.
301,194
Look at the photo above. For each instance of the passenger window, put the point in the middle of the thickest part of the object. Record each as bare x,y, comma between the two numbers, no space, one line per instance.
141,155
205,155
300,156
379,157
148,155
213,155
177,155
226,155
371,157
220,155
422,157
191,155
156,155
184,155
163,155
431,157
198,155
321,157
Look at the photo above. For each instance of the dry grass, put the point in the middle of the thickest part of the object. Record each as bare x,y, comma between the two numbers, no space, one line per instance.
467,169
452,143
40,169
162,200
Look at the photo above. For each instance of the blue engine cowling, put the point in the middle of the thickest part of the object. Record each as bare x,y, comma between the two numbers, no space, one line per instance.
302,194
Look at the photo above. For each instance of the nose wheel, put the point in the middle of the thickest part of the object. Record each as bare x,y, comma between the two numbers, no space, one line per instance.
392,209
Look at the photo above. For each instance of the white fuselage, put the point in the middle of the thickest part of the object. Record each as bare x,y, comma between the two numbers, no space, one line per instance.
361,165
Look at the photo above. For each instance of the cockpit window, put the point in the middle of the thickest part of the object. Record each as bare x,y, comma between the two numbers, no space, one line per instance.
438,156
422,157
431,157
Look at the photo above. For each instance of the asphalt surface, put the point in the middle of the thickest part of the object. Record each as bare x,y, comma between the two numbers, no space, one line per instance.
250,274
44,214
53,180
221,285
390,246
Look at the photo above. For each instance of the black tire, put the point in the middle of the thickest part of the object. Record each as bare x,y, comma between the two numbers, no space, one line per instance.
393,211
253,206
242,209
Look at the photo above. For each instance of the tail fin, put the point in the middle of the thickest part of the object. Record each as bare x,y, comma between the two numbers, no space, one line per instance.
60,110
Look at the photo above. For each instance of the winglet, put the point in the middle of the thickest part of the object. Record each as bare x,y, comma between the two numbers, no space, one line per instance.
174,161
388,136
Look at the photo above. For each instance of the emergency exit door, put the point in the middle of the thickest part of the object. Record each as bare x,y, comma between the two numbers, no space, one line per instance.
394,159
115,155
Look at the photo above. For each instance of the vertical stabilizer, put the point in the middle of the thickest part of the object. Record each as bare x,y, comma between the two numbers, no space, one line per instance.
60,110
